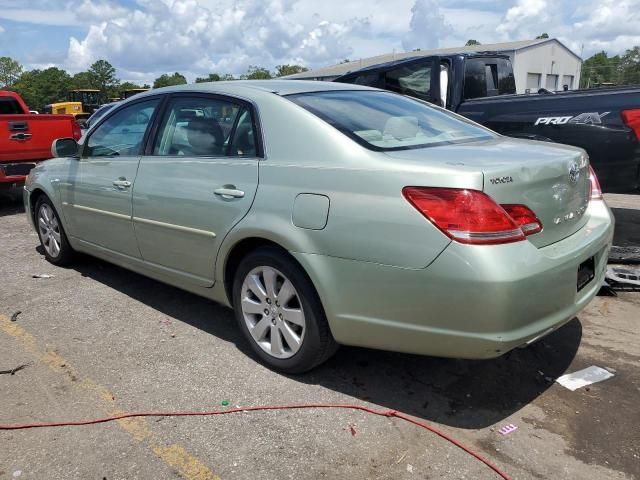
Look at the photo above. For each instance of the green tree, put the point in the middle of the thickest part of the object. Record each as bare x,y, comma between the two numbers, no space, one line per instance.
256,73
166,80
630,67
227,77
103,77
41,87
472,42
83,80
600,68
10,71
130,85
286,69
213,77
544,35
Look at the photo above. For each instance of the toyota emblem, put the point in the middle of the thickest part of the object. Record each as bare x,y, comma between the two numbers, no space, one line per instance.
574,173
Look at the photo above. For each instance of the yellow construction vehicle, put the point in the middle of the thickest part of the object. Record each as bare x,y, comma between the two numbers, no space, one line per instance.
90,99
81,104
68,108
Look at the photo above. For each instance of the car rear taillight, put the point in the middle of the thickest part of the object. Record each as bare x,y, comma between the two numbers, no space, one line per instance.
524,218
467,216
631,119
76,131
595,192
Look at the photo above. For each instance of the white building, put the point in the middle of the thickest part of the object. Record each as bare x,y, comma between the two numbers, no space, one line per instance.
541,63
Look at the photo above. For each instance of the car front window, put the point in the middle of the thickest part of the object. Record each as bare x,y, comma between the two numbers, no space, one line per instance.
387,121
123,132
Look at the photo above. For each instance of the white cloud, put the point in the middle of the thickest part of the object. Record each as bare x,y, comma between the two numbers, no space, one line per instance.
526,19
144,38
1,29
607,22
189,36
588,26
100,11
427,26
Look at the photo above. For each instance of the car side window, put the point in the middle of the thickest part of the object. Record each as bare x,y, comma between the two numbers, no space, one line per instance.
475,79
123,132
369,79
243,143
487,77
205,127
413,80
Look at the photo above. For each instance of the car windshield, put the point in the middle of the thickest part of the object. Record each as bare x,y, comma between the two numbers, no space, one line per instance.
99,113
388,121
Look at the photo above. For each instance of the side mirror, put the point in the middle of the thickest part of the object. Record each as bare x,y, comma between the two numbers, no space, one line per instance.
64,147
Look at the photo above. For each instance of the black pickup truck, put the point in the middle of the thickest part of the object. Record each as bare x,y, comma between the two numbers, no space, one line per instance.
605,122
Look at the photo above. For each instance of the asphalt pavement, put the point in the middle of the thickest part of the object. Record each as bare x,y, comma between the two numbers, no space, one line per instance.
99,340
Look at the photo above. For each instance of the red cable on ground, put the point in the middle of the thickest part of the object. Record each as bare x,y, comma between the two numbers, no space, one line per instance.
381,413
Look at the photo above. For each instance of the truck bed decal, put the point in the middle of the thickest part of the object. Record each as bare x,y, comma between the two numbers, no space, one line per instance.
587,118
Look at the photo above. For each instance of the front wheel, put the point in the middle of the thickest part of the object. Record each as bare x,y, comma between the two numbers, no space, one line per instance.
52,237
279,312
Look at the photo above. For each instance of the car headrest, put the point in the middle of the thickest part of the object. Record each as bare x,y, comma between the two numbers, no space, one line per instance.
205,136
402,127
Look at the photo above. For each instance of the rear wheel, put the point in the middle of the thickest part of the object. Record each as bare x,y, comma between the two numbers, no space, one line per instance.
52,237
279,312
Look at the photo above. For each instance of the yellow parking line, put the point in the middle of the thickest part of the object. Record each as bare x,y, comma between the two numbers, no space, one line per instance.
174,455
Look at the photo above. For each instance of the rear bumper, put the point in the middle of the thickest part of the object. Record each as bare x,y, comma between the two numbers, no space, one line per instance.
471,302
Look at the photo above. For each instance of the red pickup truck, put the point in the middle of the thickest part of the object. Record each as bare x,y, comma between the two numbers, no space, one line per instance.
26,138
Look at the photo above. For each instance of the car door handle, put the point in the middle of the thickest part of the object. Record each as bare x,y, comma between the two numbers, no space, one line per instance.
121,183
229,192
20,136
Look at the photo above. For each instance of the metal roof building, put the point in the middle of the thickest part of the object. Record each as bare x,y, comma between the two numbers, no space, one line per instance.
540,63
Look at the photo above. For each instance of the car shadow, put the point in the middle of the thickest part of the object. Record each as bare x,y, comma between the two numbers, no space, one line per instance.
10,204
460,393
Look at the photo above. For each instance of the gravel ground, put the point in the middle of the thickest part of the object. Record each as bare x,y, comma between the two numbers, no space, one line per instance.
100,340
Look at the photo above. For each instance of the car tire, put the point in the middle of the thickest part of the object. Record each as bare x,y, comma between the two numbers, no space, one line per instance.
51,233
279,312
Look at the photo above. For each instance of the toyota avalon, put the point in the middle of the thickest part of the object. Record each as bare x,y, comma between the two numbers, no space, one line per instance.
327,214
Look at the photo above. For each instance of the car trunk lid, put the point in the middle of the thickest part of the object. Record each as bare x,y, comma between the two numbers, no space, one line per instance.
551,179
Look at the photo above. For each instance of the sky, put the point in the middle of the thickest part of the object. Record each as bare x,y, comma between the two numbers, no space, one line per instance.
145,38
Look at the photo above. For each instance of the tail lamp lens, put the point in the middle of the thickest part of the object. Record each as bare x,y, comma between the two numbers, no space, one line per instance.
631,118
76,131
594,186
467,216
524,218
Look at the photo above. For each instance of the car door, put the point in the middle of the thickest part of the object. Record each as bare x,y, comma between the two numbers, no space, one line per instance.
97,199
195,182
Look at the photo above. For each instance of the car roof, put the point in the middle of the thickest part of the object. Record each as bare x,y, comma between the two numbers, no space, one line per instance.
247,87
393,63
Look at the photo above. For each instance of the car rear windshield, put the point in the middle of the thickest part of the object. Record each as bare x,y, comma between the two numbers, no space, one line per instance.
387,121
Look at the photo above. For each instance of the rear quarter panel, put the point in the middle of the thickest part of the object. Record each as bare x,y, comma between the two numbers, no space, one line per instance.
369,220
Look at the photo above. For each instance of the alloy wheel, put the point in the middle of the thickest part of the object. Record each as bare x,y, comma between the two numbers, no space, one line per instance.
273,312
49,229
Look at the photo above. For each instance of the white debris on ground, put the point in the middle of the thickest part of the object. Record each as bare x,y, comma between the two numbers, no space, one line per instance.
584,377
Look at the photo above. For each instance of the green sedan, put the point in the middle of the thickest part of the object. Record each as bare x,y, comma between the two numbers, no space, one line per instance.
328,214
